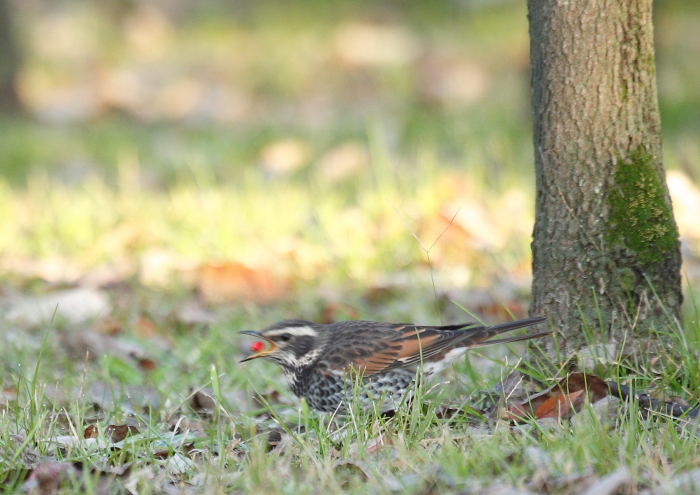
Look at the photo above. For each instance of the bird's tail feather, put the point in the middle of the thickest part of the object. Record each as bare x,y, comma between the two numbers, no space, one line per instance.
510,339
512,325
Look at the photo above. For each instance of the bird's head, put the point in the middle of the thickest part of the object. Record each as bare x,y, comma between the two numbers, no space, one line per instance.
290,343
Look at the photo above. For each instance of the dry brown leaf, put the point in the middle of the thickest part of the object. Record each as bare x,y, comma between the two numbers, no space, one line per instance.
218,283
28,457
560,405
116,433
146,364
596,386
91,432
561,400
505,310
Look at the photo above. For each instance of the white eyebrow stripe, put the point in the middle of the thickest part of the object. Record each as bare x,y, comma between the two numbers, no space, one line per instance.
295,331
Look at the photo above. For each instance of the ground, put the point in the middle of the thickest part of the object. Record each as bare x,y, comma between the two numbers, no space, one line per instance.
179,178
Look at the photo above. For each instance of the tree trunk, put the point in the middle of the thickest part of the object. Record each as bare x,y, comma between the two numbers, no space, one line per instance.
606,252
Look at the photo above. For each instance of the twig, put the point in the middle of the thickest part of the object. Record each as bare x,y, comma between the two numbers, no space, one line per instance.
427,250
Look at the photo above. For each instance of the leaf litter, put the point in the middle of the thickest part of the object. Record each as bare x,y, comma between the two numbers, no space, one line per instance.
183,442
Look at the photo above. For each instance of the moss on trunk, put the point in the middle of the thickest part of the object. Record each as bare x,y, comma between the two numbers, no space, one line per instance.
641,220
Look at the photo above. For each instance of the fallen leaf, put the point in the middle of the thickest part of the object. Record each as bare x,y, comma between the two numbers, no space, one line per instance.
595,386
560,400
117,433
110,325
559,406
146,364
79,343
218,283
271,397
91,432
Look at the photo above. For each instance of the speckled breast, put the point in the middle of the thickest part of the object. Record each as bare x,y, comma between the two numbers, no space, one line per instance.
331,392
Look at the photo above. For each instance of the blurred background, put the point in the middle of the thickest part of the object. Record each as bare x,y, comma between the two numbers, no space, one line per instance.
331,159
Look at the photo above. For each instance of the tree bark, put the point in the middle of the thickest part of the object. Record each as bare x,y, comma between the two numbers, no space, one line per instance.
606,252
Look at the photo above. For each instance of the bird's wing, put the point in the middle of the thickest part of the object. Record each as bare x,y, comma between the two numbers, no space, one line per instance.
418,344
374,350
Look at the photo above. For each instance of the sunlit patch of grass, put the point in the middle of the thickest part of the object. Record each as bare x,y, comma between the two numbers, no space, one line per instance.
296,226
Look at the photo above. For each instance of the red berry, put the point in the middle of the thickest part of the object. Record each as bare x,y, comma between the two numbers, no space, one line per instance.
257,346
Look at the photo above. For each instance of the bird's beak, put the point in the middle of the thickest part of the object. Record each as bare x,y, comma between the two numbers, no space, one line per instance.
261,353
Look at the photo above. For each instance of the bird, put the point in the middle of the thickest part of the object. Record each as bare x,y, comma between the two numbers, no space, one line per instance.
369,363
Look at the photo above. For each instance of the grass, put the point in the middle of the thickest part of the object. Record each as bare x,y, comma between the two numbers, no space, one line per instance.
413,451
255,217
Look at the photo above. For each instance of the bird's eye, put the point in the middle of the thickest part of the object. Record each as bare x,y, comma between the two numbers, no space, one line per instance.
285,337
